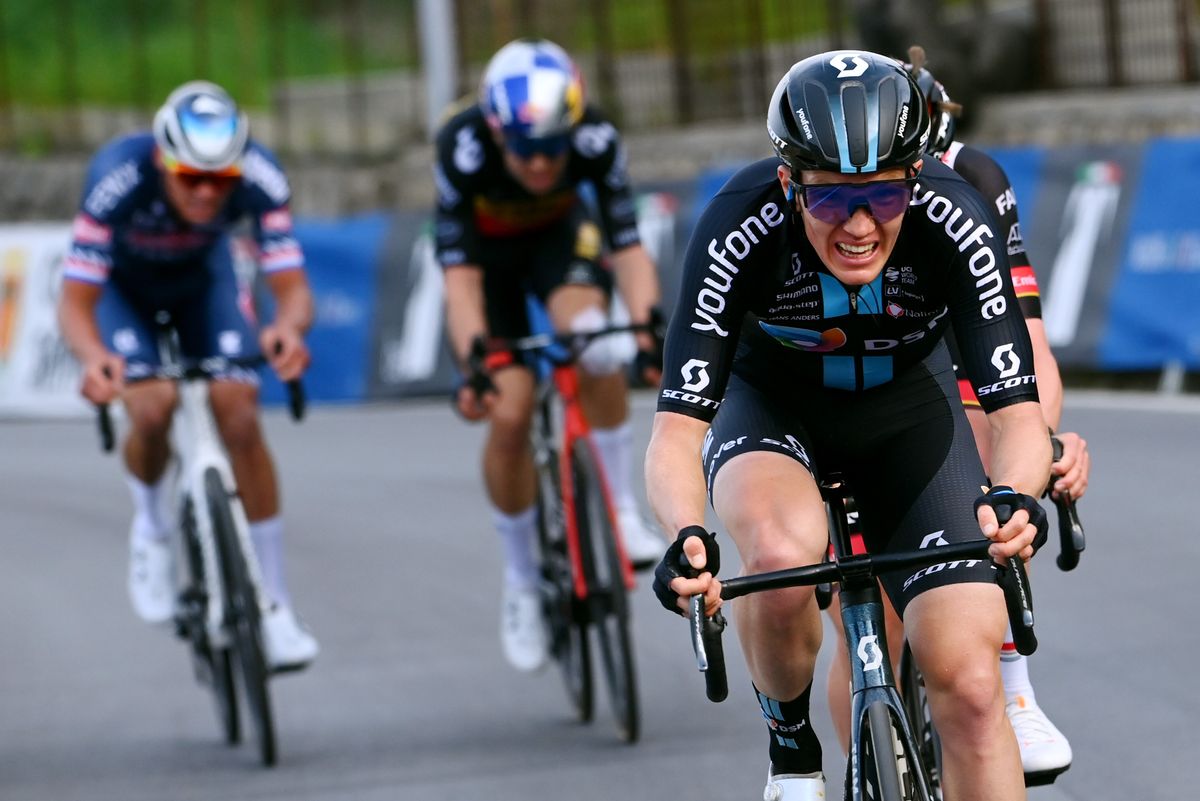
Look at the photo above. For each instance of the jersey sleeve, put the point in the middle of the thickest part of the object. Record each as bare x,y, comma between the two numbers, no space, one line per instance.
993,340
715,292
599,144
112,177
269,198
458,158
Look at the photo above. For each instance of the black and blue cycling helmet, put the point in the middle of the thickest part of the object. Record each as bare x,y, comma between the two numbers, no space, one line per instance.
942,110
848,111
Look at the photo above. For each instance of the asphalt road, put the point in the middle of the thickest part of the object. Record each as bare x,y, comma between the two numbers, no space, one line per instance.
393,564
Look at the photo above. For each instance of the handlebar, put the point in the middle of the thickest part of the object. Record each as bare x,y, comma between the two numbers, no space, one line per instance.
204,369
1072,541
706,631
486,349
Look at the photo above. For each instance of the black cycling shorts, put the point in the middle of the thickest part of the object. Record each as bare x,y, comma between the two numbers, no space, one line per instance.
905,448
564,253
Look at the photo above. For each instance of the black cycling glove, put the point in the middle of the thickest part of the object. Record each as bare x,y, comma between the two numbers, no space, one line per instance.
675,564
651,359
1006,501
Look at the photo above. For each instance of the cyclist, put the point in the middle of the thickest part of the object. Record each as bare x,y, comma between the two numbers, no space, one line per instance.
511,221
151,235
789,358
1045,752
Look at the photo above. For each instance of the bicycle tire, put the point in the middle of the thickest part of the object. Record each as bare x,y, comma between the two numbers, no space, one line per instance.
884,778
916,707
243,614
213,667
608,603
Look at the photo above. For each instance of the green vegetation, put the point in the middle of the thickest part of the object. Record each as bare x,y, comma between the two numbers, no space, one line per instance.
133,52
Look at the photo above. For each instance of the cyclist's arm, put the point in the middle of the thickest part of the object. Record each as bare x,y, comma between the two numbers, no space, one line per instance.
465,318
103,370
1049,382
293,299
637,281
1020,448
674,474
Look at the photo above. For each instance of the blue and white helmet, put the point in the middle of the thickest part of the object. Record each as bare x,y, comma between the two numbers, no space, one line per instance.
200,128
532,91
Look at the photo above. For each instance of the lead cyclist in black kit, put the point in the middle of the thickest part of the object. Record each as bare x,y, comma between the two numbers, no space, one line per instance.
788,343
1045,751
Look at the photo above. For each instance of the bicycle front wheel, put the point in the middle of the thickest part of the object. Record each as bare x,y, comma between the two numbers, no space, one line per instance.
213,666
243,614
568,627
608,603
916,707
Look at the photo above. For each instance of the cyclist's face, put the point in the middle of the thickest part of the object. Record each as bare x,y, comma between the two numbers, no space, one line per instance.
538,172
197,197
852,226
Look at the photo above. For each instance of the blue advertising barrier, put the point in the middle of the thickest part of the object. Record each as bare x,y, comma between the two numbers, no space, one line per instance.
342,261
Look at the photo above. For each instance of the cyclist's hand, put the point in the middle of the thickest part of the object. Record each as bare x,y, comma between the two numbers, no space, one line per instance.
648,363
1071,470
1025,530
687,569
476,395
103,378
285,351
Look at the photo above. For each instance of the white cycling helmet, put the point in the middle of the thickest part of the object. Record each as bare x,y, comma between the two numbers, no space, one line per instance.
201,128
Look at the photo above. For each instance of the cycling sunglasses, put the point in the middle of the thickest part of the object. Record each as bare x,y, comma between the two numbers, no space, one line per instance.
193,180
836,203
526,148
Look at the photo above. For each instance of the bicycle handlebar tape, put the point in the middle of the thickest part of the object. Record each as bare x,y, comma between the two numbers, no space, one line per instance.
1018,596
296,399
104,422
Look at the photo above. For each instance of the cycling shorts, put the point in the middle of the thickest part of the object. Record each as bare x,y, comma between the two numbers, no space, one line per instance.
212,312
905,448
565,253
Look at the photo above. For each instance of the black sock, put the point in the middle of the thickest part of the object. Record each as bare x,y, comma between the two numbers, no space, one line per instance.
794,746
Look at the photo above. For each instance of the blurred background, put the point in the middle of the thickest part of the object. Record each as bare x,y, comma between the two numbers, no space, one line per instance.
1092,106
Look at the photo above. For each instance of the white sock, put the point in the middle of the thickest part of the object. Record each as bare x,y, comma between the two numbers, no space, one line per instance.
149,523
267,536
517,534
615,448
1014,672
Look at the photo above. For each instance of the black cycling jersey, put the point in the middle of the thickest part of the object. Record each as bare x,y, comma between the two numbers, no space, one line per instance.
478,198
756,300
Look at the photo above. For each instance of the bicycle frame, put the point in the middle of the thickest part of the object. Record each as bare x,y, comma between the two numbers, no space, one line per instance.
563,382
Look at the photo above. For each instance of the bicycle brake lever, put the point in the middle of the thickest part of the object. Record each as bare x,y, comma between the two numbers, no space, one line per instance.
1070,532
710,653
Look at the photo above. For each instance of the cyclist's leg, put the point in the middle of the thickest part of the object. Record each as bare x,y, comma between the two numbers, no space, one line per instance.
1044,749
763,490
126,328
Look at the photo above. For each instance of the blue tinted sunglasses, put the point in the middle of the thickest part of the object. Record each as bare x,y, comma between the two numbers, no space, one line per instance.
836,203
525,148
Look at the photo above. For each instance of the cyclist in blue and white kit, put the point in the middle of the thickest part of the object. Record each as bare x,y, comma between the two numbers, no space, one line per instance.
808,339
151,235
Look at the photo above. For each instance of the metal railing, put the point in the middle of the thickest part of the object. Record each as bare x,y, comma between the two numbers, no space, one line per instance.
649,63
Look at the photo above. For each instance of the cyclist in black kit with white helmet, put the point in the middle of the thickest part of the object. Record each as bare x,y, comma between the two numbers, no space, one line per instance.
808,339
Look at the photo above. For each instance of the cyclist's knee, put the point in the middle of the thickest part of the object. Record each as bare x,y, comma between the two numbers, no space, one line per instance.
236,411
150,407
965,694
607,355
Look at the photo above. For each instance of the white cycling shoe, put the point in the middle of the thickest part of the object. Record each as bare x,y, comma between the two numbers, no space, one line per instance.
795,787
151,589
643,544
288,645
522,633
1045,752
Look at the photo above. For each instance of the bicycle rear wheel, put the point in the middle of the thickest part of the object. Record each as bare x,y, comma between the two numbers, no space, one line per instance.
213,667
568,627
608,603
242,615
916,707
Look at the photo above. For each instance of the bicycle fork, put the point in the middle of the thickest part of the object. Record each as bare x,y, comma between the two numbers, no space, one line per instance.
872,680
